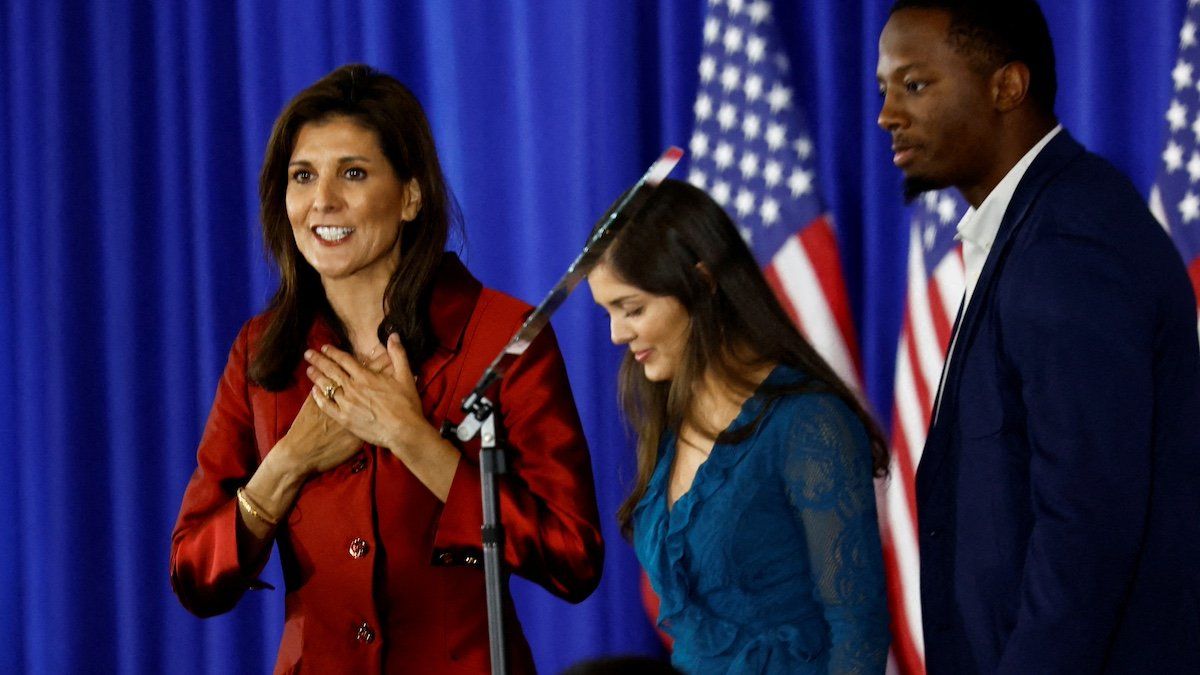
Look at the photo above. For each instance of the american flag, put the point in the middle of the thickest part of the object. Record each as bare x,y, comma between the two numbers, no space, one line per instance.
752,152
1175,198
935,286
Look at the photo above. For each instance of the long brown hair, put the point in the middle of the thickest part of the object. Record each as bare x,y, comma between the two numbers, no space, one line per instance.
682,244
382,104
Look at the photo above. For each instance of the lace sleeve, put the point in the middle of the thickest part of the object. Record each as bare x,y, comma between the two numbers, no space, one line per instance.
827,475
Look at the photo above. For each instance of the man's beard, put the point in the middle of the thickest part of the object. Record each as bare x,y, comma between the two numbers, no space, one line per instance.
915,185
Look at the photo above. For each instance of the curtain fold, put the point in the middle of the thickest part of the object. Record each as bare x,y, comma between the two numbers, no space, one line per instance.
132,135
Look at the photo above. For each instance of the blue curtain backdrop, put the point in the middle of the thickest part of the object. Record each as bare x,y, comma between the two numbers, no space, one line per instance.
130,139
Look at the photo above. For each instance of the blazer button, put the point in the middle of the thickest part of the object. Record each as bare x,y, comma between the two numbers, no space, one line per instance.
470,560
364,634
359,465
359,548
446,558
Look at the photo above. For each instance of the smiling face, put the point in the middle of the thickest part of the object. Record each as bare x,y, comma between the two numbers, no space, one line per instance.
938,108
655,327
344,202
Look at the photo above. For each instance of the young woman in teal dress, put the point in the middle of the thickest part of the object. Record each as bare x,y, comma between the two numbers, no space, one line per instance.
753,510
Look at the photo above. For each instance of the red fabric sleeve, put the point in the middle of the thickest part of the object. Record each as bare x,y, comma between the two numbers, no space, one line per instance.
205,572
547,499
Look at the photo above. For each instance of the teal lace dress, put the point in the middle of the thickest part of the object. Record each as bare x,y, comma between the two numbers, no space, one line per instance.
771,562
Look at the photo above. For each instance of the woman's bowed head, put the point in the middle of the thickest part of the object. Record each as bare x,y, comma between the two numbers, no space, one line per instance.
684,293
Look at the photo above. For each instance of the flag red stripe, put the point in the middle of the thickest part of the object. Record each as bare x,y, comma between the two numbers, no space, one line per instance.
1194,272
650,603
908,659
939,316
907,467
819,242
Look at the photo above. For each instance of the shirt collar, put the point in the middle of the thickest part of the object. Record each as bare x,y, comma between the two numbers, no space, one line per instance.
979,226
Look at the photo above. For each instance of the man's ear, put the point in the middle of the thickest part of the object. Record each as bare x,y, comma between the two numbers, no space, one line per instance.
412,204
1010,86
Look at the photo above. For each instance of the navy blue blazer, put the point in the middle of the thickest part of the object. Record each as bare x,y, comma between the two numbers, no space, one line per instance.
1059,490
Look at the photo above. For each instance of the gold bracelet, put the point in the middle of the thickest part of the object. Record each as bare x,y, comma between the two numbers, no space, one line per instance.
252,510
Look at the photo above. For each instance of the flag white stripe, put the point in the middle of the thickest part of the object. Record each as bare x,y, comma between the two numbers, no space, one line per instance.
951,281
904,548
929,349
803,289
910,415
904,551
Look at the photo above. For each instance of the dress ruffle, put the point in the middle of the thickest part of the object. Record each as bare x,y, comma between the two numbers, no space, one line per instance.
711,475
787,643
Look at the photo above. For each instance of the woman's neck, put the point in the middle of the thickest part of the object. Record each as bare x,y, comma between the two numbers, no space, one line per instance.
716,400
358,304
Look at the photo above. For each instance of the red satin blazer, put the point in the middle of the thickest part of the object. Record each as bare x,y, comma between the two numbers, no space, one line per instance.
380,575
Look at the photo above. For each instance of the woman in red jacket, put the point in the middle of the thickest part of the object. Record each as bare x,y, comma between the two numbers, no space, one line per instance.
324,434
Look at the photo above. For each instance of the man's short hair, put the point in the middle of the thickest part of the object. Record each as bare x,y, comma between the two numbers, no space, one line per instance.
991,33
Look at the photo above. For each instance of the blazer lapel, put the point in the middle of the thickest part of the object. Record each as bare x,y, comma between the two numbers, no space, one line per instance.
455,294
1052,160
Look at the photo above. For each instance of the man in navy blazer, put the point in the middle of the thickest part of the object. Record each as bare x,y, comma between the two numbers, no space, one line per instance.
1059,489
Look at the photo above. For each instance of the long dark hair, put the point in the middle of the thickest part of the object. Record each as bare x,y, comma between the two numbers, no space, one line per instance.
682,244
382,104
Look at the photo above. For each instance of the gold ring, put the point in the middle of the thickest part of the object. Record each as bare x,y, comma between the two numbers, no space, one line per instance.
331,390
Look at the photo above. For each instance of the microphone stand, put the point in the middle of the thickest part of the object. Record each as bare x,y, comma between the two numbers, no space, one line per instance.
481,411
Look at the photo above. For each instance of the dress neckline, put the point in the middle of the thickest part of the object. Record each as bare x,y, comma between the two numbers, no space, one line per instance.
749,410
